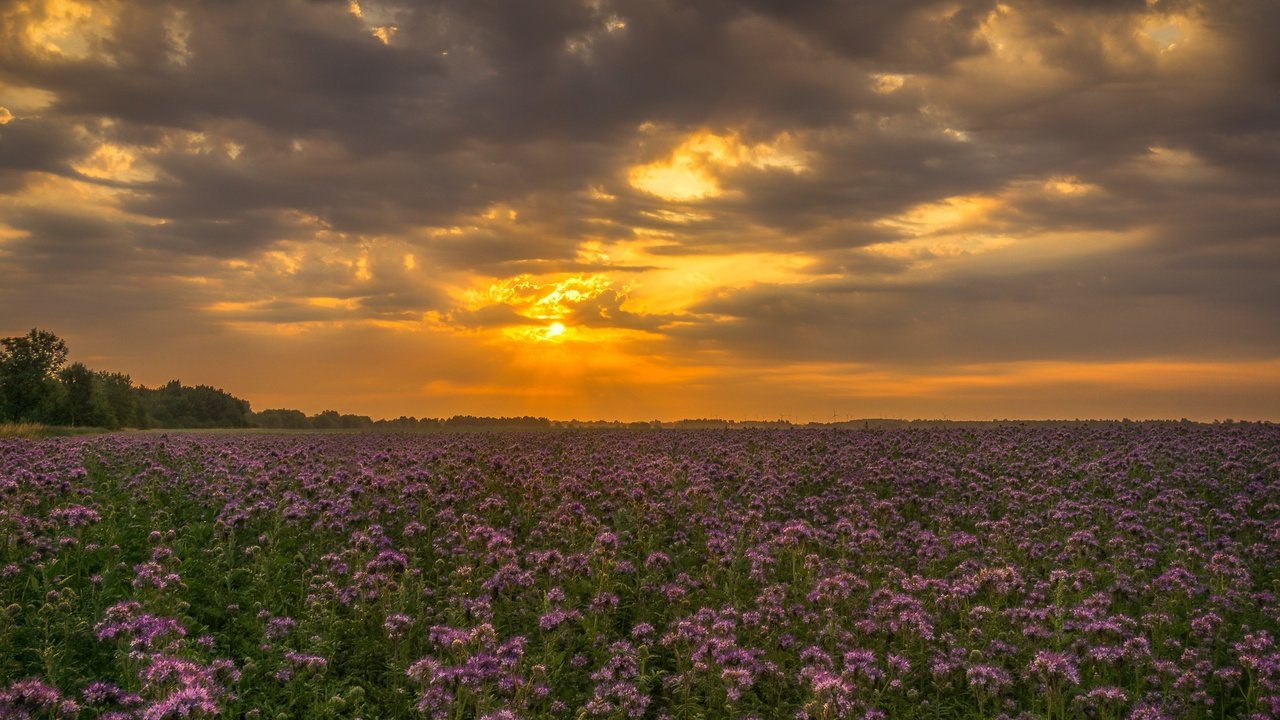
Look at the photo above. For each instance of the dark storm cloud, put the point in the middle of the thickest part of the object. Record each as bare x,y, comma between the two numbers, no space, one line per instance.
474,103
212,236
289,66
64,246
1196,279
401,301
490,316
871,174
908,34
1198,301
28,146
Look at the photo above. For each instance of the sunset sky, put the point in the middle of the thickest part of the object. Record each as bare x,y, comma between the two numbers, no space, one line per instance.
639,209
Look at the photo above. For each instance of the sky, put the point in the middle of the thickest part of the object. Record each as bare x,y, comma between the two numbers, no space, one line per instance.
652,209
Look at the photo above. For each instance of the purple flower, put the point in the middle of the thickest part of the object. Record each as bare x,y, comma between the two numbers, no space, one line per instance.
1053,668
24,697
988,679
194,701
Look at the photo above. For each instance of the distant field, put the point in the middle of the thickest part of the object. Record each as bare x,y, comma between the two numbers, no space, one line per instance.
1123,571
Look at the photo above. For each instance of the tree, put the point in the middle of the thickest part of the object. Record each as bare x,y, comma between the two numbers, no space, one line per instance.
327,420
29,366
78,401
118,390
355,422
280,418
175,405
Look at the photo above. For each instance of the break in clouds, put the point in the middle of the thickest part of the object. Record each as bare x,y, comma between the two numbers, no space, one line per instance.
698,194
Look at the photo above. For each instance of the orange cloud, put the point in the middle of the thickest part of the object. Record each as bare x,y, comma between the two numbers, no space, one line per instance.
693,169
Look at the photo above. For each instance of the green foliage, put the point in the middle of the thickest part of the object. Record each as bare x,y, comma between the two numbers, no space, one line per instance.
327,420
286,419
85,402
178,406
120,397
526,422
28,375
281,419
36,388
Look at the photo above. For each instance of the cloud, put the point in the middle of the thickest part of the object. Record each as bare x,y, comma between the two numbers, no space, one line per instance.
28,146
737,183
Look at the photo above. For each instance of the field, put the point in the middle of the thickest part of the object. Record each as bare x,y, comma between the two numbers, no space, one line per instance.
1112,571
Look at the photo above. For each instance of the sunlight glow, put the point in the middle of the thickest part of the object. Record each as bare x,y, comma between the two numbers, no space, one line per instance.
21,100
545,300
1069,186
1164,33
945,215
114,162
67,28
692,171
885,83
376,20
875,381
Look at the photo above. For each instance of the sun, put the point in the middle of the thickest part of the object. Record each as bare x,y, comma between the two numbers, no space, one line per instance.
555,329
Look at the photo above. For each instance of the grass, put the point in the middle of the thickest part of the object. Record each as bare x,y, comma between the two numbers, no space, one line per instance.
32,431
21,430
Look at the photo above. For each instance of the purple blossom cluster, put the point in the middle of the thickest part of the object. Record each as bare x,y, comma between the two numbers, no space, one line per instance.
1091,571
29,698
475,663
145,632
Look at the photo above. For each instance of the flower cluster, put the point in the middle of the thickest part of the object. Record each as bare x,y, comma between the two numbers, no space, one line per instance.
1123,570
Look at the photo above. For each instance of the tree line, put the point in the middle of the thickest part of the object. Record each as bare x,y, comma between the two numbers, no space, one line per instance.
37,385
285,419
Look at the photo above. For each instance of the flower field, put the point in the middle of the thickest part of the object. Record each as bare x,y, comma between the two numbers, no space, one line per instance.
1109,571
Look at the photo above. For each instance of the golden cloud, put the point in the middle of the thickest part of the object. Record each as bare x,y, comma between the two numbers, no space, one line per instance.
693,169
70,29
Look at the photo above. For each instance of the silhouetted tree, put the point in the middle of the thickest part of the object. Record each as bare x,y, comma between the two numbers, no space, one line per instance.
177,406
280,418
327,420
